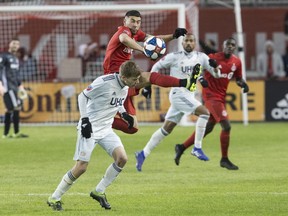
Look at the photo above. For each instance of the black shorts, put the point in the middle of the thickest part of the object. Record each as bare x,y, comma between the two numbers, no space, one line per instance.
11,100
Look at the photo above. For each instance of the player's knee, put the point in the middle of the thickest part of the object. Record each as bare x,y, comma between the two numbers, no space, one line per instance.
81,168
121,161
209,128
226,126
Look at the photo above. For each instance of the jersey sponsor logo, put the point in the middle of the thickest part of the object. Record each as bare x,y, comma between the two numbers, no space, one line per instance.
117,101
281,111
187,69
128,50
229,75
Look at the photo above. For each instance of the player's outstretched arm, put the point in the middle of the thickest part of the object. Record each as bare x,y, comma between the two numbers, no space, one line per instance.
177,33
129,42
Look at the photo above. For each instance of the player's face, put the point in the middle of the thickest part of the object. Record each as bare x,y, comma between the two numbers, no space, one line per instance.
133,23
131,81
188,43
229,47
14,46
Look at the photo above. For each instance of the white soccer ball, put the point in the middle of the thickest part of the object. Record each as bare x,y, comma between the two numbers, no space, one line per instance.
154,47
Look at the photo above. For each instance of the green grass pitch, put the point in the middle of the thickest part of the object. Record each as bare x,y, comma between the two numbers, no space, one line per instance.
32,168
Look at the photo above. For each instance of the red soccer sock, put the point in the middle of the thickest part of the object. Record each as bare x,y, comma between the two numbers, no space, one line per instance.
224,139
189,141
164,80
120,124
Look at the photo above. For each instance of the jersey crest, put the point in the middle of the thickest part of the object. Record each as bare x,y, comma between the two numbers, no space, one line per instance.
233,68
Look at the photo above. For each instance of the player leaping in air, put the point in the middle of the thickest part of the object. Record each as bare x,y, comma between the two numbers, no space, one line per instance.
119,50
182,101
214,99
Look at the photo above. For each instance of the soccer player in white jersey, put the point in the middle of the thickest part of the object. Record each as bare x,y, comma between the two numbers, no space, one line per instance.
98,104
183,64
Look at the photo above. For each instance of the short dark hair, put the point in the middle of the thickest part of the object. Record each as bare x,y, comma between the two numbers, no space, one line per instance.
133,13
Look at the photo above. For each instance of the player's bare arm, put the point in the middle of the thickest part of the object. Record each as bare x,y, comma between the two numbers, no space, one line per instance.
129,42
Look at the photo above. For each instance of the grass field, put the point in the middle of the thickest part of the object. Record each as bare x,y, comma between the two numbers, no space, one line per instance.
32,168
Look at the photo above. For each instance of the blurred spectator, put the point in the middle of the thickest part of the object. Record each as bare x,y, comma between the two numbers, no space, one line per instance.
102,52
285,61
208,46
88,52
269,63
27,65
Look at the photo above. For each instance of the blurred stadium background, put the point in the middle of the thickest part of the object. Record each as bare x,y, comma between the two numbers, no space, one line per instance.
54,33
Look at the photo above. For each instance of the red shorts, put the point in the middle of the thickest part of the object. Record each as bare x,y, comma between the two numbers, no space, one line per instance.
217,110
128,103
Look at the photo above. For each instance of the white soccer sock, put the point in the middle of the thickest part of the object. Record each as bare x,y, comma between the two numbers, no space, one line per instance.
200,130
111,173
155,139
65,184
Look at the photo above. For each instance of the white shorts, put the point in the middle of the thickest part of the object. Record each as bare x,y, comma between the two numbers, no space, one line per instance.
182,102
85,147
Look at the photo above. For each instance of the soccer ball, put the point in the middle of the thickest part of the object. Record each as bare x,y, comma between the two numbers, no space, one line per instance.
154,47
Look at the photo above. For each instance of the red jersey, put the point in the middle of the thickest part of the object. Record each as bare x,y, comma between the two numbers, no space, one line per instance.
229,68
116,52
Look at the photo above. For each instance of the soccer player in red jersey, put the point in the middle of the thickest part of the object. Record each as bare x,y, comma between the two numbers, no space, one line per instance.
119,50
214,100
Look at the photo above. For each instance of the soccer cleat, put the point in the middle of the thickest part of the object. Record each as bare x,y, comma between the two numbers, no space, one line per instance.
101,198
6,136
197,152
179,150
191,83
140,160
226,163
20,135
55,204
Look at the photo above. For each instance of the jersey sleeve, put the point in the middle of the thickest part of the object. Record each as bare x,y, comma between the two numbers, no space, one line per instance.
207,67
140,36
163,63
125,30
92,91
238,72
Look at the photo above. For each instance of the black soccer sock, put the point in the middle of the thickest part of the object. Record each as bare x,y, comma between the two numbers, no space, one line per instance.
16,121
7,123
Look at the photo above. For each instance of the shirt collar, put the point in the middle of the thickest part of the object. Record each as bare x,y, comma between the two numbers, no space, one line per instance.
117,76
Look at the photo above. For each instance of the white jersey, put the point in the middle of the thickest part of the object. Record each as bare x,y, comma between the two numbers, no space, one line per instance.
106,96
181,64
